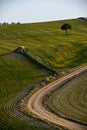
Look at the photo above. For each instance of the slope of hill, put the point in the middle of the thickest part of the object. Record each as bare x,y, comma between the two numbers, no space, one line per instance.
16,73
70,101
47,43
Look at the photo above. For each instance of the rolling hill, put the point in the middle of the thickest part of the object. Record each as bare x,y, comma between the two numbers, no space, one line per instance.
48,44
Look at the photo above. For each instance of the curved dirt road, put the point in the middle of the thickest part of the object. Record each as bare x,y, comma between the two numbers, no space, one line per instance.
35,103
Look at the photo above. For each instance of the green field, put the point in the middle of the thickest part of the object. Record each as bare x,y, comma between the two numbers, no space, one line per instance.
16,73
70,101
47,43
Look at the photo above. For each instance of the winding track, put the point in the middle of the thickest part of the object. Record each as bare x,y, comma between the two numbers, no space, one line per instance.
35,103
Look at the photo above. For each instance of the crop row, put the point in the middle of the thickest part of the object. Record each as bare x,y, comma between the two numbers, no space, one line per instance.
70,101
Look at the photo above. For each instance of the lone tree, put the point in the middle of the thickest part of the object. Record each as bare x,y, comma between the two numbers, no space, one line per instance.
65,27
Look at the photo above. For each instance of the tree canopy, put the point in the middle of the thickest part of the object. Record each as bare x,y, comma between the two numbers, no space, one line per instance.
65,27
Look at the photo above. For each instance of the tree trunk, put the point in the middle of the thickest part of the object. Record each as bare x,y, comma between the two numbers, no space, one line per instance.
66,31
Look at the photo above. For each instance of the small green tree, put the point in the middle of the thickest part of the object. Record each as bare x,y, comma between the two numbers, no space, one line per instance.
65,27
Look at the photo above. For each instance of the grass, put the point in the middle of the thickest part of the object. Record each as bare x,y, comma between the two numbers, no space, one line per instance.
17,73
47,43
70,101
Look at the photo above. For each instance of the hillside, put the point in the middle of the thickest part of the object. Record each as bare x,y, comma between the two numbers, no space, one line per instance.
47,43
70,100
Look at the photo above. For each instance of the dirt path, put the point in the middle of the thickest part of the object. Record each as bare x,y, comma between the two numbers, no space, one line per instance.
35,105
